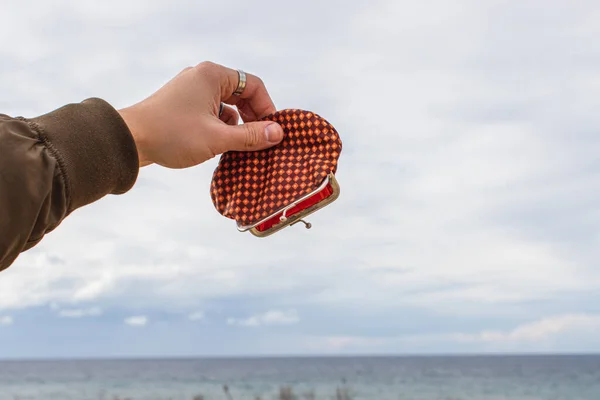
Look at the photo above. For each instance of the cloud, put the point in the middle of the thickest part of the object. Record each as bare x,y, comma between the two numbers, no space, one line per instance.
539,330
335,344
6,320
273,317
196,316
469,173
568,331
473,181
136,321
80,312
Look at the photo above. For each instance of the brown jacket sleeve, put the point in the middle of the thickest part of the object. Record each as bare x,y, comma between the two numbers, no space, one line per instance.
55,163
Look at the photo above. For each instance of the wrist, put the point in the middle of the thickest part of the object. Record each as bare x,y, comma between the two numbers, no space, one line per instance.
129,116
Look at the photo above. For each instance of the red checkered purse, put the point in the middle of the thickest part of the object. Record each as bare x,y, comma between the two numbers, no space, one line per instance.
265,191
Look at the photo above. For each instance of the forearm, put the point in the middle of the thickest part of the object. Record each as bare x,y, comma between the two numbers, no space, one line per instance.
58,162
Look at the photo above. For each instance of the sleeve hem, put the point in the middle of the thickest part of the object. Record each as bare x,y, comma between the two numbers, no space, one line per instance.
94,148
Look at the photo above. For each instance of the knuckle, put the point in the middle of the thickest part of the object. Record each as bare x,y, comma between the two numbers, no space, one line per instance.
207,67
260,82
206,64
186,69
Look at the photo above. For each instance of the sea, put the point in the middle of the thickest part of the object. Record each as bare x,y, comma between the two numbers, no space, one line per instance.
551,377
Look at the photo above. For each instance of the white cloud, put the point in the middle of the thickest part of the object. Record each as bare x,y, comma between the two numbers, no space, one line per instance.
196,316
539,330
472,188
80,312
6,320
273,317
136,321
334,344
574,332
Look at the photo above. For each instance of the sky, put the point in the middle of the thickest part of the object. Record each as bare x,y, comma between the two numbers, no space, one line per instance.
469,215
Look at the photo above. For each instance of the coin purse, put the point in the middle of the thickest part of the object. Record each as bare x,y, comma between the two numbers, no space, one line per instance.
265,191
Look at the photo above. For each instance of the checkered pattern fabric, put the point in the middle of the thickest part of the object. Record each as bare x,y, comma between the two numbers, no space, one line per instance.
250,186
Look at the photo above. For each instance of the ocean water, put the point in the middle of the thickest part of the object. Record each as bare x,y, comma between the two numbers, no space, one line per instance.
380,378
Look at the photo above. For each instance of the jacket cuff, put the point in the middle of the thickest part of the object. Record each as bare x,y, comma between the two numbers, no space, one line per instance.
94,148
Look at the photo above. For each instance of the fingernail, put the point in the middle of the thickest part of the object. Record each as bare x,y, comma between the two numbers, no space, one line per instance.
274,133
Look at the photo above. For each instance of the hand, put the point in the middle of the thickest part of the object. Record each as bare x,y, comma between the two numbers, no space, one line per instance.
178,126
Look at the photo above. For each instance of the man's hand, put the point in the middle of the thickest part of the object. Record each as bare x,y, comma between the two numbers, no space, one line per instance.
178,126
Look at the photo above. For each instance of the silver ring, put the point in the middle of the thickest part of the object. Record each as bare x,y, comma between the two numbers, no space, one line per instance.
221,108
241,83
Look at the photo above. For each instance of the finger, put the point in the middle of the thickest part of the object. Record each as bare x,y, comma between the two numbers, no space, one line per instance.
255,96
229,116
250,136
245,111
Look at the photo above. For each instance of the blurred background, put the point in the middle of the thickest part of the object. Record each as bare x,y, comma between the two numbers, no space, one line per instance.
470,177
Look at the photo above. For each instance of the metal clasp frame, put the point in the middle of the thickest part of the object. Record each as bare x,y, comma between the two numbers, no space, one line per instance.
329,184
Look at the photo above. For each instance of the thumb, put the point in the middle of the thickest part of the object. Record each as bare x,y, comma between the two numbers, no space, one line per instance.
252,136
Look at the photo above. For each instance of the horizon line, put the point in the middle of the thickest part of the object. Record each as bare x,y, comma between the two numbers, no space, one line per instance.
298,356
